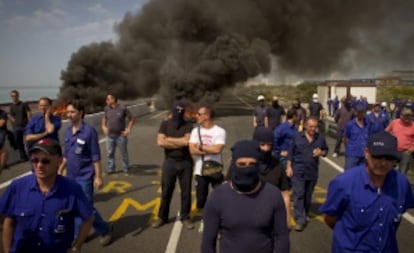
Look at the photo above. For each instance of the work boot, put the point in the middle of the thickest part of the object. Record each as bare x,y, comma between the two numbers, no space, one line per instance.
158,223
106,239
188,224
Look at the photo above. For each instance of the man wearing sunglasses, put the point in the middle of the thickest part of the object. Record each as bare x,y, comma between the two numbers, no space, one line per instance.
365,204
40,208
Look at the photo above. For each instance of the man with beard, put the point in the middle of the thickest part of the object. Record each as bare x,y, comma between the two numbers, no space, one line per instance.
174,136
364,205
275,113
249,214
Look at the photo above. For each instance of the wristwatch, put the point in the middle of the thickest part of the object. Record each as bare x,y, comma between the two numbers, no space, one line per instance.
75,250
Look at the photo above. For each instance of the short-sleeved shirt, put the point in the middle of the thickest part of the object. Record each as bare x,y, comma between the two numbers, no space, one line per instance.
260,112
367,217
274,115
81,150
403,133
305,165
19,113
37,125
377,123
116,119
209,136
44,223
315,109
357,138
168,128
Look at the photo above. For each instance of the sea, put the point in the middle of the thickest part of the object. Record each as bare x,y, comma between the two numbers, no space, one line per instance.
29,93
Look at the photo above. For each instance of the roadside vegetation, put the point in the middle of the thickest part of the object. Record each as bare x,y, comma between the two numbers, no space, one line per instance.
305,90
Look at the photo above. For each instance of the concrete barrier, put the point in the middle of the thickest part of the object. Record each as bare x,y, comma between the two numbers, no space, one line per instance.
137,110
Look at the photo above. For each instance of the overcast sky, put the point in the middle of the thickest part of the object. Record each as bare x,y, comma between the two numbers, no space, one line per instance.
37,37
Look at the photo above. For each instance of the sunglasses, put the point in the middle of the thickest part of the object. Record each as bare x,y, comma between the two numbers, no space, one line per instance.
201,113
44,161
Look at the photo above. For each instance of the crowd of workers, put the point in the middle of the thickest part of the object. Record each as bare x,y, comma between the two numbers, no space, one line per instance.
249,207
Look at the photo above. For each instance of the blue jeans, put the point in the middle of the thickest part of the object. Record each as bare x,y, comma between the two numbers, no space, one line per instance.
100,226
111,143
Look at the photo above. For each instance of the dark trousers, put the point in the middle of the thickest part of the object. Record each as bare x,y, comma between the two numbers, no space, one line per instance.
202,186
302,191
18,140
405,162
339,136
171,170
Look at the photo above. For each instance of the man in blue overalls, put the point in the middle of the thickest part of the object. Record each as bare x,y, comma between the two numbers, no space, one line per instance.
40,208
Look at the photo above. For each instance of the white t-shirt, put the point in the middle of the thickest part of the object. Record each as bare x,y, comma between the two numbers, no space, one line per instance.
209,136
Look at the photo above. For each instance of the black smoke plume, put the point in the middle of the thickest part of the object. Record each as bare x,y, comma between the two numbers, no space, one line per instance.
195,48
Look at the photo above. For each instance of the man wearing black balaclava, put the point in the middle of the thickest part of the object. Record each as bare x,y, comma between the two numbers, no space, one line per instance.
174,136
272,170
249,213
275,113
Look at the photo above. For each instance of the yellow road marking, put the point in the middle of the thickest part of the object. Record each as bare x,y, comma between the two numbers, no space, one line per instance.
117,186
123,207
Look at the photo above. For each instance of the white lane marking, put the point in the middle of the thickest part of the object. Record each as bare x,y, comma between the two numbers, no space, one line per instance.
175,236
5,184
406,215
158,114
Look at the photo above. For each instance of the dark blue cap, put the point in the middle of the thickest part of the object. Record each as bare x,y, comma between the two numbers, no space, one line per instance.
383,144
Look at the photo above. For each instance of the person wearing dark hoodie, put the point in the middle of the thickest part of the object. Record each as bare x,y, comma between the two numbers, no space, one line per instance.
174,136
271,169
248,213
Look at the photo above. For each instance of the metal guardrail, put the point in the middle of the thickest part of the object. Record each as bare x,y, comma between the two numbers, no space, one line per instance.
137,110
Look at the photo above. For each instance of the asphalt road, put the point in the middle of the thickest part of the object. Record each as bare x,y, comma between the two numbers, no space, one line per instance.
131,202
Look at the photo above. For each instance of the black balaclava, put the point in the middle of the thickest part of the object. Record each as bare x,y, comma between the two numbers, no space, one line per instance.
264,135
275,103
245,179
178,111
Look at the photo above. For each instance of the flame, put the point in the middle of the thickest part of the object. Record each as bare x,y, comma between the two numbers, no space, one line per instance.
60,109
